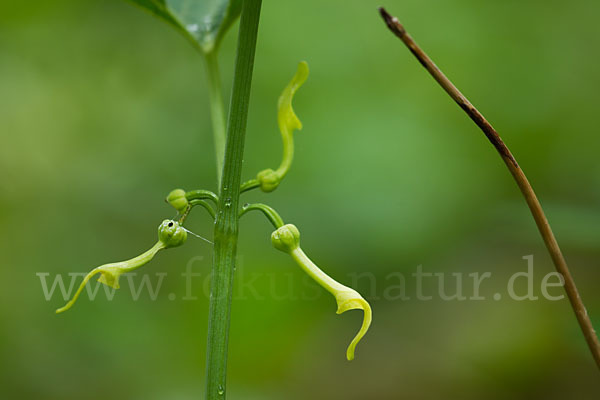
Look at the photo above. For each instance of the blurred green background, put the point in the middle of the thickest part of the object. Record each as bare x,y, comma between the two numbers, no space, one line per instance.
103,110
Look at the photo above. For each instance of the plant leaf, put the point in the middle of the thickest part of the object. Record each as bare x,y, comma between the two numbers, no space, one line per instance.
203,22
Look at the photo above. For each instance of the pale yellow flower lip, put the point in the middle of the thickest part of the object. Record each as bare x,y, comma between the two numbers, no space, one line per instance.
356,303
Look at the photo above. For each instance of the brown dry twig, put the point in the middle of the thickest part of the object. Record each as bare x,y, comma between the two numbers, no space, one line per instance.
532,201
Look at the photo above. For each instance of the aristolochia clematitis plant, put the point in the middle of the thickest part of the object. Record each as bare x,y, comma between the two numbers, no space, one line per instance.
204,24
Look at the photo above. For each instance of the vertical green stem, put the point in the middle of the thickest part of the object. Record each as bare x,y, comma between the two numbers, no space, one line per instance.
226,224
217,109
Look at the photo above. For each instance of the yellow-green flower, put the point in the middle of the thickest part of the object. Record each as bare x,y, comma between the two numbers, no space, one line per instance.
287,239
288,122
170,234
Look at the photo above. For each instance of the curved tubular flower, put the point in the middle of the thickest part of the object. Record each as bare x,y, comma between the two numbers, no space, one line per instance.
287,239
268,179
170,234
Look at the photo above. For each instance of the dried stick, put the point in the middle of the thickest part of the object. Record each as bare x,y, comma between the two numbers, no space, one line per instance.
532,201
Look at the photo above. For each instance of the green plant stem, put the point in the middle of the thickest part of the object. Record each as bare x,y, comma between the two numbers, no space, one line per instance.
206,206
249,185
217,108
194,203
226,224
269,212
530,197
201,195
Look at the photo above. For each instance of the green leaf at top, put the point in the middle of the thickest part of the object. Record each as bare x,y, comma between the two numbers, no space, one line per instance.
204,22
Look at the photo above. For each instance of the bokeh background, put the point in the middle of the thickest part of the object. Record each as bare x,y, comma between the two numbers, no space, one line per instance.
104,110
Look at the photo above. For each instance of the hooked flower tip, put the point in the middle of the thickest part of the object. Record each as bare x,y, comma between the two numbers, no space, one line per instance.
288,120
356,303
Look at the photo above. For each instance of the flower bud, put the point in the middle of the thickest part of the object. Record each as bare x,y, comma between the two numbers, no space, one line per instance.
178,200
